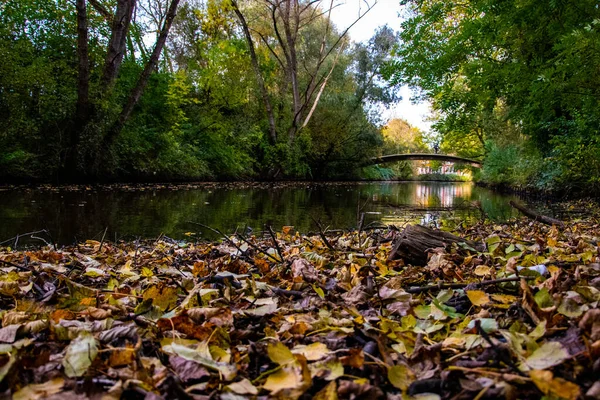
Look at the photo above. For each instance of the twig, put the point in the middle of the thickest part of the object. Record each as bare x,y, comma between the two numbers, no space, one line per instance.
462,285
218,232
275,242
15,265
16,238
497,350
102,241
322,235
255,247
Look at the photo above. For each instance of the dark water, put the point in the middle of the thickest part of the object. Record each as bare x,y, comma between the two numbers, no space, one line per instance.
79,215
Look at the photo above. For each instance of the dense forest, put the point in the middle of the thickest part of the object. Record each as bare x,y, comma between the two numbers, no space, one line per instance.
269,89
128,90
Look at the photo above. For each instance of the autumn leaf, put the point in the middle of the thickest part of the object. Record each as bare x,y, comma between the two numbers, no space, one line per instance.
279,353
80,354
547,355
551,386
400,376
478,297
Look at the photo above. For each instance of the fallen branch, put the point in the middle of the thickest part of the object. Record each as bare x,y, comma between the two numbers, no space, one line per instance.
441,286
535,216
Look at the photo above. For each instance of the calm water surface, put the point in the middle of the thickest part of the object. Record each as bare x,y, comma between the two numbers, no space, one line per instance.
125,214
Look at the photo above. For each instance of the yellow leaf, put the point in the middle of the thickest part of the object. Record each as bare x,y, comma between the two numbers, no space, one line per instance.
279,353
285,378
401,376
329,370
312,352
329,392
243,387
42,390
319,291
478,297
482,270
504,298
164,297
547,355
558,387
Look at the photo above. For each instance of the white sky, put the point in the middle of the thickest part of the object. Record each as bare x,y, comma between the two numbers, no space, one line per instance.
384,12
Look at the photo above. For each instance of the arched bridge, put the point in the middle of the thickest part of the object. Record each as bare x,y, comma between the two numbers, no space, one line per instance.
422,156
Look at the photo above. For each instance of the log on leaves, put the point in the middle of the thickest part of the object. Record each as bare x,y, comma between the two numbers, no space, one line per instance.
537,217
415,241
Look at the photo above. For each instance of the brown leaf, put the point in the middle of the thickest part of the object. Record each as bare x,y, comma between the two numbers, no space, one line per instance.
590,323
349,389
8,334
187,370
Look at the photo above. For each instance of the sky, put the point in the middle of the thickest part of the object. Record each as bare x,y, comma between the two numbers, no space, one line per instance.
383,12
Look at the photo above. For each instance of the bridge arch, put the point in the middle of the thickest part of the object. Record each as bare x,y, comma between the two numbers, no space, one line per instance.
423,156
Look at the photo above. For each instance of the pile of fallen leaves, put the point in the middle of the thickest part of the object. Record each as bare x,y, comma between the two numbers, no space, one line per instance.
292,316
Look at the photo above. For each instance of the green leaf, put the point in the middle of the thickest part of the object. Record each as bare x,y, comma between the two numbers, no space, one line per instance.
546,356
80,354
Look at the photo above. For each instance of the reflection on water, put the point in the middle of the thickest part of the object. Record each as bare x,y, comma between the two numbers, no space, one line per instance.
71,216
443,195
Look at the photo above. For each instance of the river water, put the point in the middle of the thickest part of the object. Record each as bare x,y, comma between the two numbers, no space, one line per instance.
128,213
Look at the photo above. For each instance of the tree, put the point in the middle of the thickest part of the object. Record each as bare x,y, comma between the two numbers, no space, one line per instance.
288,20
497,69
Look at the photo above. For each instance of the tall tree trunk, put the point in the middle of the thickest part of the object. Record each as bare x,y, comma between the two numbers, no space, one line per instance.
290,28
83,78
258,73
117,42
138,90
83,88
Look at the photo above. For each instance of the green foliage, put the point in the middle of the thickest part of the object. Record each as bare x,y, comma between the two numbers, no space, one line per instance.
506,77
202,114
443,177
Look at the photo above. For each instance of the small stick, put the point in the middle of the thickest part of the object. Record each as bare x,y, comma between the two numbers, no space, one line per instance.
462,285
322,235
15,265
255,247
102,241
21,234
224,236
275,242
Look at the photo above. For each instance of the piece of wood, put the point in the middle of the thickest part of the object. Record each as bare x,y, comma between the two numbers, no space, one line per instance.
415,241
535,216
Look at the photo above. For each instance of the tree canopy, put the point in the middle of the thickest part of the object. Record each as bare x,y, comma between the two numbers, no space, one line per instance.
154,89
519,75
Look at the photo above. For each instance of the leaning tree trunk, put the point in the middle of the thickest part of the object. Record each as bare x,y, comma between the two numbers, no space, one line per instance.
117,42
415,242
138,90
258,73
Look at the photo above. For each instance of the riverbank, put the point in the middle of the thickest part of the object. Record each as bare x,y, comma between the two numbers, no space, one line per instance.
292,315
